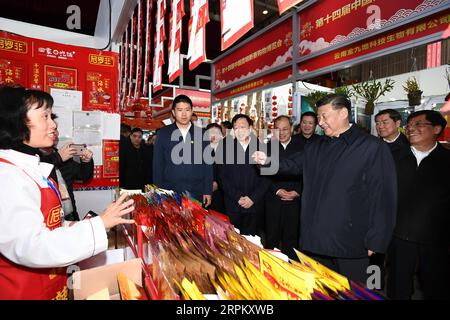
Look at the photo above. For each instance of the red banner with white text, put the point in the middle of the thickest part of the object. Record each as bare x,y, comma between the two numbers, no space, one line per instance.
329,23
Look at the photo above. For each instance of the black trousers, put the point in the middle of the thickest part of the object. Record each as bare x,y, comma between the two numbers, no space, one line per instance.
246,222
353,269
433,270
282,226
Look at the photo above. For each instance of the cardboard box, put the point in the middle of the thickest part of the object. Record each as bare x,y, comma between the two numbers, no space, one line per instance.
90,281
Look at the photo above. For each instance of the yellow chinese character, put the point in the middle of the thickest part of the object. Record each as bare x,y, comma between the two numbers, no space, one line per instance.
108,61
421,27
9,80
269,47
336,14
345,10
373,43
93,59
442,20
366,2
357,49
9,44
390,38
356,4
410,31
350,52
319,22
343,53
279,43
274,45
337,55
365,46
8,72
327,19
432,24
100,59
2,43
400,34
381,41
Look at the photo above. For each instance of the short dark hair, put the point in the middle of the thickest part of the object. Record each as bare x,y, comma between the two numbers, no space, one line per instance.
393,114
15,102
283,117
137,130
213,125
309,114
124,128
337,100
227,124
435,118
240,116
297,127
181,98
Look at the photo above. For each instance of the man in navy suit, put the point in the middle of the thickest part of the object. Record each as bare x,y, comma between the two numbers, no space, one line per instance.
178,162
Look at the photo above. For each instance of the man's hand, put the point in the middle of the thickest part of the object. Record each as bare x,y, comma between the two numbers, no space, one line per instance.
259,157
290,195
87,155
370,253
67,152
206,200
245,202
215,186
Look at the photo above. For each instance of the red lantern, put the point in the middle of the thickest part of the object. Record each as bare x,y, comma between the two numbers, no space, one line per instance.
274,103
274,98
274,109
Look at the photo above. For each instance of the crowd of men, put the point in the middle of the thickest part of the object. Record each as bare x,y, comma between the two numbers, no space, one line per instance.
347,198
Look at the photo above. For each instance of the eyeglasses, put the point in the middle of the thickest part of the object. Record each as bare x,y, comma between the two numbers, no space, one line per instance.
418,125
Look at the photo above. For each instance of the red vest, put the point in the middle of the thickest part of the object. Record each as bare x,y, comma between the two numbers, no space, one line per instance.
20,282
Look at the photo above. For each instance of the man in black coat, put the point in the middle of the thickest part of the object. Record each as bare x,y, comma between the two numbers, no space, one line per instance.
135,162
215,135
349,195
239,177
179,163
422,233
282,200
387,123
308,124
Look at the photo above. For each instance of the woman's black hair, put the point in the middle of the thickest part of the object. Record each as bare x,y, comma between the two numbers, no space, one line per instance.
14,104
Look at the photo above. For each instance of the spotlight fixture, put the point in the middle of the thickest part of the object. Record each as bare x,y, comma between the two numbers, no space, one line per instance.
265,11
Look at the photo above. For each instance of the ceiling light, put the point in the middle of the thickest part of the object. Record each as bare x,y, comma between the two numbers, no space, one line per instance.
265,11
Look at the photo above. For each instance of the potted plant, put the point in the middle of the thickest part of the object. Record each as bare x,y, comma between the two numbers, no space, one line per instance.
346,90
411,87
315,96
371,91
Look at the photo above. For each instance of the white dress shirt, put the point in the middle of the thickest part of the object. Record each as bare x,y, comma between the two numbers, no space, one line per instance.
24,236
184,131
420,155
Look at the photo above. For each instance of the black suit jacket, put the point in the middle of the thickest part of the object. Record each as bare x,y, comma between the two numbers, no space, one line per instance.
424,197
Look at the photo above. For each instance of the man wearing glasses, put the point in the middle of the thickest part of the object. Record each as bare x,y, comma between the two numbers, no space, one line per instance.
422,233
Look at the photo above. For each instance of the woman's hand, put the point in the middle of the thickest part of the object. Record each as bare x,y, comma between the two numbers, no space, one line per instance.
67,152
87,155
112,216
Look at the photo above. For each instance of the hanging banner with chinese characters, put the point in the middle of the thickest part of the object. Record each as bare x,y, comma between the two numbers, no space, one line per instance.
236,18
110,158
270,50
133,22
140,32
125,83
12,72
284,5
158,58
148,32
197,33
253,84
326,24
176,16
409,33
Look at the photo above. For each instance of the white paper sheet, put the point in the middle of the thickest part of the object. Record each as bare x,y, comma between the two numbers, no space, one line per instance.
64,122
111,126
91,120
69,99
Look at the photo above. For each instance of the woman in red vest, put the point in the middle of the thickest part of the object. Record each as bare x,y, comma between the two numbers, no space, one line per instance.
35,245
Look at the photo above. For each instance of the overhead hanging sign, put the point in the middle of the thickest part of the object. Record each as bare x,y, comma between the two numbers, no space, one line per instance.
411,32
284,5
158,58
236,18
176,15
197,33
266,80
263,53
329,23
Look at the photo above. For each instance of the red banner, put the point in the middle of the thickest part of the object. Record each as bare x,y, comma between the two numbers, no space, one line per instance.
263,53
284,5
256,83
233,26
329,23
44,65
406,33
